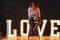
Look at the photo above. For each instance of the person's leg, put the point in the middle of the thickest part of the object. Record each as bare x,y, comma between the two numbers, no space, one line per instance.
31,27
36,28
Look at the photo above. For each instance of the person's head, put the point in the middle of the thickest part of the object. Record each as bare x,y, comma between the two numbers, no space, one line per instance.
33,4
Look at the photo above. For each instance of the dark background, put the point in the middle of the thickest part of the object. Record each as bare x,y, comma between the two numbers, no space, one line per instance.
16,10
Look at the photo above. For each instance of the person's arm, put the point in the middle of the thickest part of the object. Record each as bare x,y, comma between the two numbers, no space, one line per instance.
39,13
29,14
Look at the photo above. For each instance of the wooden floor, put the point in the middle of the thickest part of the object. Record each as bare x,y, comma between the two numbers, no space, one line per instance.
30,38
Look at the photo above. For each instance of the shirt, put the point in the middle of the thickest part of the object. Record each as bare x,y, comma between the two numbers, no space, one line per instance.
32,13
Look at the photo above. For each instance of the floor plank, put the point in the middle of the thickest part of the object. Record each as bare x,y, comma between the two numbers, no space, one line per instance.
30,38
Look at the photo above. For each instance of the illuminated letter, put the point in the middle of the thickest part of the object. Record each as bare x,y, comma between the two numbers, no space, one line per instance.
21,29
43,27
54,28
9,29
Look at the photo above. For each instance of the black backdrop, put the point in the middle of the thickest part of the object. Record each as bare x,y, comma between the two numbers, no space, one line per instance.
17,10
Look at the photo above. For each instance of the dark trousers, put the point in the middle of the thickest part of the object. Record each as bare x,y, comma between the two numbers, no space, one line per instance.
33,27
